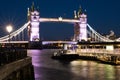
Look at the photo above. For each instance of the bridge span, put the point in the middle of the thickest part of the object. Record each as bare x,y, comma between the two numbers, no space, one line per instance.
59,19
43,42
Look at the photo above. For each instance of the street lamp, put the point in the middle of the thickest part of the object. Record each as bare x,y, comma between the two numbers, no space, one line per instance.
9,28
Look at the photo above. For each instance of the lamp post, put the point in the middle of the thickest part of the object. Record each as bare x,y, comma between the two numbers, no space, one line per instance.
9,28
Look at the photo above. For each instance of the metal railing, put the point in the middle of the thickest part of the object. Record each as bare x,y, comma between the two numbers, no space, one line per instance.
10,55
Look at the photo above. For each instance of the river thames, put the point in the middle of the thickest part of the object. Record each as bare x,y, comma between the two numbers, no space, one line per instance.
46,68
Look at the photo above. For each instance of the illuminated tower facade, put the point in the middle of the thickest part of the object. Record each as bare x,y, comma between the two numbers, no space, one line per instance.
83,27
34,24
80,29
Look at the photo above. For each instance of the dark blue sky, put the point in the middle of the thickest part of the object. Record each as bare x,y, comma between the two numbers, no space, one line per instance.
103,15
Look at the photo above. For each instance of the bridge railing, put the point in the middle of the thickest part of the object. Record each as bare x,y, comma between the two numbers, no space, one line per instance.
115,51
10,55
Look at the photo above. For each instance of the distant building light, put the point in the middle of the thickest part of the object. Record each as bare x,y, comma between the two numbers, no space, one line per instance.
110,47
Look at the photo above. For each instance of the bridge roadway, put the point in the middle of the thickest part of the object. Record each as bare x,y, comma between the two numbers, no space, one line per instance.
43,42
69,42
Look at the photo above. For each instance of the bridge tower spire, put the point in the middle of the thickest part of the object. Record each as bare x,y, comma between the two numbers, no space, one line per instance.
34,24
80,29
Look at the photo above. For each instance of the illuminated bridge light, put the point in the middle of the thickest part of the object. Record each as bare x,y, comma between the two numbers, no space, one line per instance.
60,19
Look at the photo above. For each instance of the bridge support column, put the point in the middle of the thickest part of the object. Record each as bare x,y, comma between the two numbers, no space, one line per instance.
80,30
33,28
34,35
83,27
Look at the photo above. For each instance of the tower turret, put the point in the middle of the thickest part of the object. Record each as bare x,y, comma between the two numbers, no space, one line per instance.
28,14
75,15
32,7
79,12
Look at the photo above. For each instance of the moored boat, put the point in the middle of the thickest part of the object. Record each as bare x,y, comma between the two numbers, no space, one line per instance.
65,55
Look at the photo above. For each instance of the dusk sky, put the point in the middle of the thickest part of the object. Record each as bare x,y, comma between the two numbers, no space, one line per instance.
103,15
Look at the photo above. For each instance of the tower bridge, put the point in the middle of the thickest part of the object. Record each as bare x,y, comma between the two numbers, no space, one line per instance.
82,30
89,41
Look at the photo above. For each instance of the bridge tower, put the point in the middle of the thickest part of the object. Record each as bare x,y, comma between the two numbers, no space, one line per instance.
80,30
33,28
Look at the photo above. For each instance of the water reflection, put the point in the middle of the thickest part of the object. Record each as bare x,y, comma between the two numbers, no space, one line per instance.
93,70
48,69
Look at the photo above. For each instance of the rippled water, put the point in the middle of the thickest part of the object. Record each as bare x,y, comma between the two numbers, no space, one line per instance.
46,68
